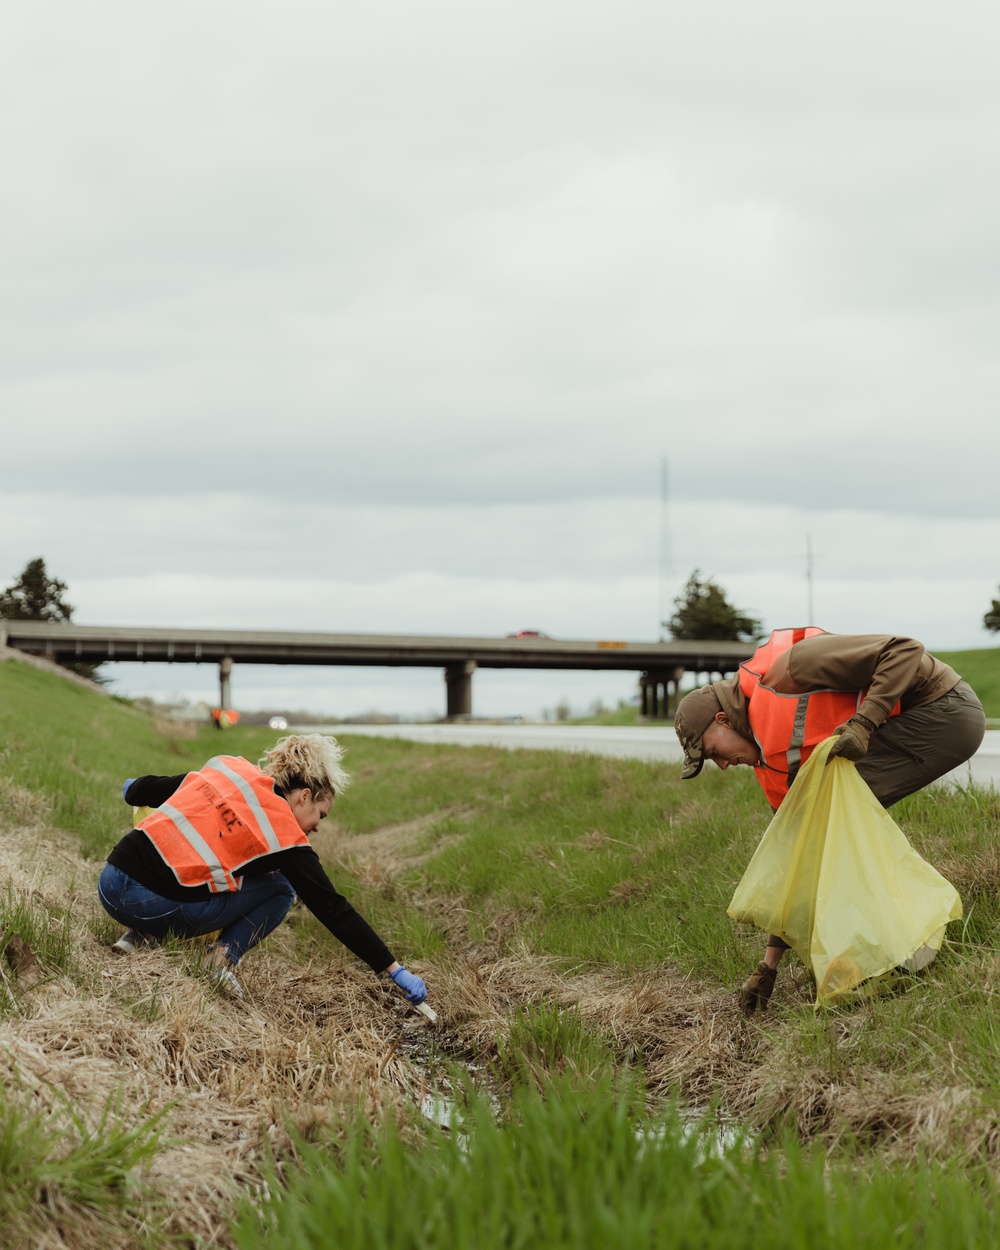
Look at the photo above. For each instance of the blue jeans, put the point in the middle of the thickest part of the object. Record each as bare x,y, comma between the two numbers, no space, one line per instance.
245,916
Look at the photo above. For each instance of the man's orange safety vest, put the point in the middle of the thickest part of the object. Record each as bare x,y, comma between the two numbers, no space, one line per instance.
787,727
220,819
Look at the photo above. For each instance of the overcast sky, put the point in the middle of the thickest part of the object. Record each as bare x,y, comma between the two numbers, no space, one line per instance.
386,317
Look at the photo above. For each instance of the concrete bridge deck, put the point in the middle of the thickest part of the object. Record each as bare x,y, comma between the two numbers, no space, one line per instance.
659,664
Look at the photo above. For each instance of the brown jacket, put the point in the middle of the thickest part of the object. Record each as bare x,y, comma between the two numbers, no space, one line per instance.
893,669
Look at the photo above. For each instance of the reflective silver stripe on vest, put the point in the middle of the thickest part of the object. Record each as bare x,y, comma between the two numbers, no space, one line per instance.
198,845
797,738
253,802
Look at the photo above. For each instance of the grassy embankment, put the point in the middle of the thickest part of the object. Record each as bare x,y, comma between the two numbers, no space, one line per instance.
981,669
569,915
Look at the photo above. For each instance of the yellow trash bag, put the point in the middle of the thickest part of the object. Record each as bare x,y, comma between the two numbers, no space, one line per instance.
835,877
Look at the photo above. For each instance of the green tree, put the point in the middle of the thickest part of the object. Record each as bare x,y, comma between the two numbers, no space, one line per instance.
703,613
991,620
37,597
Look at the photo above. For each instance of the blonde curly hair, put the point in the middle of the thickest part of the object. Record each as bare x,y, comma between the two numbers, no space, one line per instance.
306,762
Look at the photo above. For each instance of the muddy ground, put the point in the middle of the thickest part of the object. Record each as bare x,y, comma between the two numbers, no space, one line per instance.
233,1080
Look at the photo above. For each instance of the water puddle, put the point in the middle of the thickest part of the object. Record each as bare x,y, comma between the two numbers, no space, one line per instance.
435,1052
716,1138
716,1135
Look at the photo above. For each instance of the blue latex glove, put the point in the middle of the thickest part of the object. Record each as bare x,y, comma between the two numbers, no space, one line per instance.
125,785
411,984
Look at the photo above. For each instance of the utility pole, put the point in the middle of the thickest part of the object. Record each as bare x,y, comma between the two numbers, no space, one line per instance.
665,569
810,620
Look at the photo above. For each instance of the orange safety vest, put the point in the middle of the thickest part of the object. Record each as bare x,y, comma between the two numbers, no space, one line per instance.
787,727
220,819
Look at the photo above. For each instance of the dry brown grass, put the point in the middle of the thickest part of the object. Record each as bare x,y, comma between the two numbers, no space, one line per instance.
233,1080
20,808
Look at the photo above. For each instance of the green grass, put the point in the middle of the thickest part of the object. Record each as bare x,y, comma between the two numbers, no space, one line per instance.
605,861
64,752
617,865
573,1167
605,864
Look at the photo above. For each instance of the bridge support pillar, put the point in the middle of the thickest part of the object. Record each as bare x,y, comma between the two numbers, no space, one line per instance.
658,692
225,669
458,686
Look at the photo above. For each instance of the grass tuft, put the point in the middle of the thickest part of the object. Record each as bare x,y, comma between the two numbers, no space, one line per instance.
55,1166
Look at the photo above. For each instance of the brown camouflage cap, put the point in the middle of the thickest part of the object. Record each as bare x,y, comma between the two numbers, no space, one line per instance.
697,710
694,714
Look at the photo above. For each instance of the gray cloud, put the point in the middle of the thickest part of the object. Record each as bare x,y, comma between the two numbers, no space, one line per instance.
370,292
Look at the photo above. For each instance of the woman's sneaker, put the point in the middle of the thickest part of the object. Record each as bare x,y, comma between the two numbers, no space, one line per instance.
220,973
226,981
132,940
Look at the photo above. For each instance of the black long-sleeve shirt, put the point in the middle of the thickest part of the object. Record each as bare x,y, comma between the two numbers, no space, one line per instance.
137,856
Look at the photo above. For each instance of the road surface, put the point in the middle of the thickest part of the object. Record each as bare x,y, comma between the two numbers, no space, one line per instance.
633,742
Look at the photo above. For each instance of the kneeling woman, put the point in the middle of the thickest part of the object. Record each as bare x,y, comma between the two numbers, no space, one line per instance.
227,848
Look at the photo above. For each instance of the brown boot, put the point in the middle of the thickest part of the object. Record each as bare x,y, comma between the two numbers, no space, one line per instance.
756,989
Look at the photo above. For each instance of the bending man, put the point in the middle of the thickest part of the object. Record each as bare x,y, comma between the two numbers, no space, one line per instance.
904,717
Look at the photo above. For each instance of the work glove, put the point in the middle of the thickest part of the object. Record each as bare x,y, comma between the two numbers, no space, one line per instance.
852,738
125,785
756,989
411,985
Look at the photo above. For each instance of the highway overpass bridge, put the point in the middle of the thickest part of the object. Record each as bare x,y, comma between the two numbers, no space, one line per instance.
659,665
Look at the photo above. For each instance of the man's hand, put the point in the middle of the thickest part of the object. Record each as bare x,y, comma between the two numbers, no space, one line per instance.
852,739
756,989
